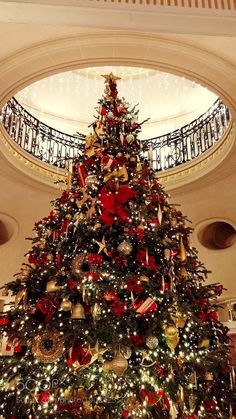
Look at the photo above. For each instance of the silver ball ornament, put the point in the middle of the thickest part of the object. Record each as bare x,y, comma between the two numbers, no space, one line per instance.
110,115
125,248
91,181
152,342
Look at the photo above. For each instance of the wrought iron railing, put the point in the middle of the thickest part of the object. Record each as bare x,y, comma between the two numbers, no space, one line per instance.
164,152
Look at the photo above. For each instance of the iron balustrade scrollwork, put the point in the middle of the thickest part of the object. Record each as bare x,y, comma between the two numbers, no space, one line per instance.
164,152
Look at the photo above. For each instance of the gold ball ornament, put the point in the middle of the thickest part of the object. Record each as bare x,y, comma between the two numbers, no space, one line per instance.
118,365
52,286
78,312
66,304
152,342
125,248
48,347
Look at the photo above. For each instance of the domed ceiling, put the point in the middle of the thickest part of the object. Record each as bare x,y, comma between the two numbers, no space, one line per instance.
66,101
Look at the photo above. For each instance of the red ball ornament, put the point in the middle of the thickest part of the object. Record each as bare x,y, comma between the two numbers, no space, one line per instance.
44,397
4,321
126,414
136,340
209,405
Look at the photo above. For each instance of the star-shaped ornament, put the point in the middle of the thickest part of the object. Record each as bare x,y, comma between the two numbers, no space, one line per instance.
102,246
96,353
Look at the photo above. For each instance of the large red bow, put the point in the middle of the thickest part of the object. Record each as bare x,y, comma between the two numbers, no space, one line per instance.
112,204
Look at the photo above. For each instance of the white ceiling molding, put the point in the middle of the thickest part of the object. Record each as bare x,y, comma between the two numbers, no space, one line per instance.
97,49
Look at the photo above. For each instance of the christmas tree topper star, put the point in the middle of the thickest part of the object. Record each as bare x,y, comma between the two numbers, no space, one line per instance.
111,77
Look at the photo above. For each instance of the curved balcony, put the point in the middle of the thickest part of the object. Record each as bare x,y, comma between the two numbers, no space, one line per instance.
164,152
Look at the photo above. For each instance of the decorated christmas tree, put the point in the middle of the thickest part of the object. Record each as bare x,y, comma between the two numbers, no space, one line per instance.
112,318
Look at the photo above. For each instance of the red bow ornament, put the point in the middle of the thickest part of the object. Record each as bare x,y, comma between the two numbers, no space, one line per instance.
112,204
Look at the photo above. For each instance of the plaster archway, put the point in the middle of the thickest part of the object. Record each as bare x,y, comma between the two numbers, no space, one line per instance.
118,48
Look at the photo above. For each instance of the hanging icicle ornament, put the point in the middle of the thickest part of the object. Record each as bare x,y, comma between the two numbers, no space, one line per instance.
183,255
159,215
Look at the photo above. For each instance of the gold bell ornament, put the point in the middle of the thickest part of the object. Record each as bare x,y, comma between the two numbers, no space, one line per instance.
66,304
172,337
52,286
77,312
209,376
